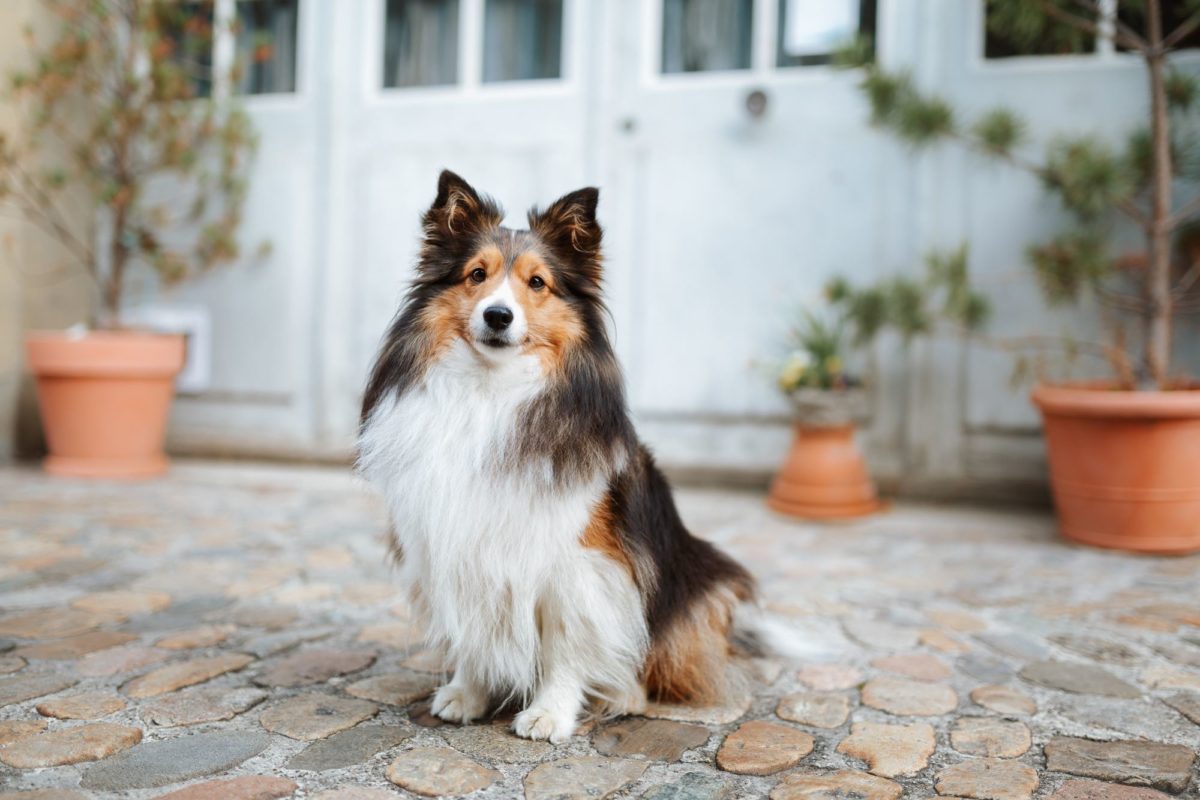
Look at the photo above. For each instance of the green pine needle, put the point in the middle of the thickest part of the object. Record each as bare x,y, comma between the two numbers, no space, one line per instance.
999,130
1088,177
856,53
921,120
906,307
1181,90
975,312
1068,264
1029,29
884,91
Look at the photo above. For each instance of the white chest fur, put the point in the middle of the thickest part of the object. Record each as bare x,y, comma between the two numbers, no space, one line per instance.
487,542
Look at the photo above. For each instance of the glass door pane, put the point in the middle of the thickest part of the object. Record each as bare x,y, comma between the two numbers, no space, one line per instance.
266,46
522,40
811,30
706,35
420,45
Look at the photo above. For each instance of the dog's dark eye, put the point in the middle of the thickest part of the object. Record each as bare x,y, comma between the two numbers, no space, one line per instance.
478,275
536,283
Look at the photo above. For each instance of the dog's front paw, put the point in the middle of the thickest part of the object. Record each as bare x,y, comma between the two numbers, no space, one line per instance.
538,722
455,703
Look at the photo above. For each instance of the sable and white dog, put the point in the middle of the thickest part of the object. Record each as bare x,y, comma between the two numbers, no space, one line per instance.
536,536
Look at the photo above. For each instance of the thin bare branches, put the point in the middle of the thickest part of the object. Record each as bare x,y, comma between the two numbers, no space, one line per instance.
40,208
1121,35
1185,283
1131,38
1179,34
1125,302
1184,213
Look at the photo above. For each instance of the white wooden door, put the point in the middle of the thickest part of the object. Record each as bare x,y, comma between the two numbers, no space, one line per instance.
497,90
260,397
741,175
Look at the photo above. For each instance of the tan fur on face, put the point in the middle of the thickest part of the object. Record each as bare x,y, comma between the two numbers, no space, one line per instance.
552,323
447,317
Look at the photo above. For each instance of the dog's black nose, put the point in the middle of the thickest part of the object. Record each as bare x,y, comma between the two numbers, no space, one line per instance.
497,317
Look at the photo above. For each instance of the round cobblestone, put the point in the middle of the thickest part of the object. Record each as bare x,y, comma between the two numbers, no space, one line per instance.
816,710
988,779
655,739
314,666
763,748
983,736
396,689
316,716
836,785
581,778
830,677
87,705
1004,700
890,750
70,745
247,787
187,673
907,698
439,771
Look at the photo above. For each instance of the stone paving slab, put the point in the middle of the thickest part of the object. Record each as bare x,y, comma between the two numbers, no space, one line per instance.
233,631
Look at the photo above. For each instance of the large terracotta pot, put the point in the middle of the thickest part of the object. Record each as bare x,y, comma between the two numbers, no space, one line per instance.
824,476
104,398
1124,466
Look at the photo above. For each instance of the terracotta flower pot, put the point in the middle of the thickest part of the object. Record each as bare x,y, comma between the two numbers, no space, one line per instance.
824,476
1124,466
104,398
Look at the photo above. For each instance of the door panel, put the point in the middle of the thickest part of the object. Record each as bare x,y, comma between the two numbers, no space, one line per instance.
521,140
261,395
730,220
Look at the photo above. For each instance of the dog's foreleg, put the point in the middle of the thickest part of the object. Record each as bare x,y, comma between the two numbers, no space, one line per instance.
592,644
554,712
461,700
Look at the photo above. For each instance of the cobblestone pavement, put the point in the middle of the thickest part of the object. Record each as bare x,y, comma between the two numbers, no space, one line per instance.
231,632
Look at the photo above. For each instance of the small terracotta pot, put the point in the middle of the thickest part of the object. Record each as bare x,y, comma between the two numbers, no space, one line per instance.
824,476
104,398
1124,466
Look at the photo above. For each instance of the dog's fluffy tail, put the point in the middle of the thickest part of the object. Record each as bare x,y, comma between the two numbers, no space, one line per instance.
758,634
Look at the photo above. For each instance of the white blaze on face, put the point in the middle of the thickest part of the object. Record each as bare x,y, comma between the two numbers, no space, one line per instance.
502,297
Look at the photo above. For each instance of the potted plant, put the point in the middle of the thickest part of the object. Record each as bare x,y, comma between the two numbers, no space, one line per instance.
824,475
120,114
1124,452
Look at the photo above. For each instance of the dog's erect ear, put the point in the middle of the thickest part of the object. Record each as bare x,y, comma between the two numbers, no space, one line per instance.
459,210
569,227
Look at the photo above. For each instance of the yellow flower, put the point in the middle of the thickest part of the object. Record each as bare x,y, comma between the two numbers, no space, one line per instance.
792,374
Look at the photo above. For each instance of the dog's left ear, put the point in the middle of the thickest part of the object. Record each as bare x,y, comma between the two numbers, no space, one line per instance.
569,227
459,210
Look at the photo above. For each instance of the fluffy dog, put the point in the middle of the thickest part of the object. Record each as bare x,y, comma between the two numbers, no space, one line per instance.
538,540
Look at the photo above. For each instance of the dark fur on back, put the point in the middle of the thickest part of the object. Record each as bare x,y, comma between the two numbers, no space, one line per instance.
686,567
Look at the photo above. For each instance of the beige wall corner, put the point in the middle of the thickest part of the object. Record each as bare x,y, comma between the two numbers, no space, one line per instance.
39,286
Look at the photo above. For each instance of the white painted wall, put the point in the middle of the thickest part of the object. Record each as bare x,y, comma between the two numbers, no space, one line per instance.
718,226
